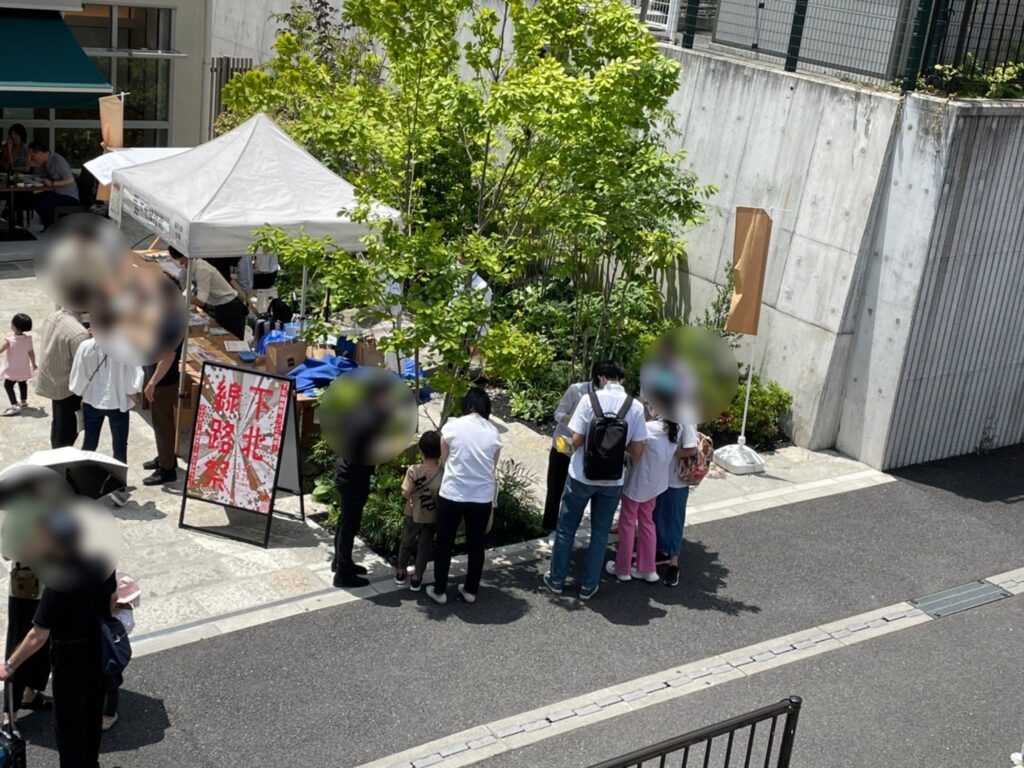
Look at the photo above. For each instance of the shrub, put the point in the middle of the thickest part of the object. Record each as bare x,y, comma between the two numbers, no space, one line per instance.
769,402
517,516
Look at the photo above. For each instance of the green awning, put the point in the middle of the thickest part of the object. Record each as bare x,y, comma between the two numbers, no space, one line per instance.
42,65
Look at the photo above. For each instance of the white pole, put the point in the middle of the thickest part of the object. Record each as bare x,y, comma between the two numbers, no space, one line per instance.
746,402
302,304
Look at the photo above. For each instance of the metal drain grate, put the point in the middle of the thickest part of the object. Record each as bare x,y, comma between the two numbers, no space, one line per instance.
959,598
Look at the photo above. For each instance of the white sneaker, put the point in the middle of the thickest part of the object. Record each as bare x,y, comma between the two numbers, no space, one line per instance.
12,411
610,568
1017,758
119,498
439,599
469,597
650,578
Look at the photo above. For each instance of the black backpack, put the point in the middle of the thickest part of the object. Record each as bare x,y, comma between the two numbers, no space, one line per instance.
604,453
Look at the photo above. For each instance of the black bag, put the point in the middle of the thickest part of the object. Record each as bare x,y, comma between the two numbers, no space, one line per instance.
12,746
604,454
115,650
280,311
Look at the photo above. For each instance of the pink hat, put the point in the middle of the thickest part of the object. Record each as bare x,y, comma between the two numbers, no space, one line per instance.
127,590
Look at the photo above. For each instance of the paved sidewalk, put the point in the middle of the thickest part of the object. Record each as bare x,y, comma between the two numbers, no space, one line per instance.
191,579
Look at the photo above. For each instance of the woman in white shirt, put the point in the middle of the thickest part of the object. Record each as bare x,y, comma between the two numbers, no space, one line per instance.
670,510
108,389
646,480
470,446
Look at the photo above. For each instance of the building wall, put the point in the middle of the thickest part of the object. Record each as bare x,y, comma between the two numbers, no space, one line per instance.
243,28
188,74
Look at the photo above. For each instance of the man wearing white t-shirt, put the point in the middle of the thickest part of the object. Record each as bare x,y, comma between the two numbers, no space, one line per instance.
603,495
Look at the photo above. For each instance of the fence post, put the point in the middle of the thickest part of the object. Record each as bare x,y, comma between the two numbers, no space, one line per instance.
918,36
644,7
690,22
789,731
796,35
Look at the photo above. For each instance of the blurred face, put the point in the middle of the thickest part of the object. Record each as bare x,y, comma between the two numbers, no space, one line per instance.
37,157
14,138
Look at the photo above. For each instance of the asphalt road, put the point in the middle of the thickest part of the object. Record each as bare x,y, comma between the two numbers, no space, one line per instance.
345,685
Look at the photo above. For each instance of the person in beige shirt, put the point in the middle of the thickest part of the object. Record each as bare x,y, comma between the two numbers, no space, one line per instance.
214,294
57,341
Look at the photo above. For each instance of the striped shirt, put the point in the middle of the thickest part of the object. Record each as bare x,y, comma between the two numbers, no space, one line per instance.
58,340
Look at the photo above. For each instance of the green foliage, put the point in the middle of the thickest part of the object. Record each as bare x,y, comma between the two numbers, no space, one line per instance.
517,515
769,402
384,514
974,79
545,165
535,398
516,518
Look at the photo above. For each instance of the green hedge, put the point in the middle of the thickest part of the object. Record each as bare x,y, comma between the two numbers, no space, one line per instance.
769,403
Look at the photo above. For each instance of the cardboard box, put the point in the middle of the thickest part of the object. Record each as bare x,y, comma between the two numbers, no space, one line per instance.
281,358
367,353
317,352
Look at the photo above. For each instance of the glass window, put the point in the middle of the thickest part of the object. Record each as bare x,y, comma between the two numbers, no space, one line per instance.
77,144
148,84
145,137
143,28
91,25
105,65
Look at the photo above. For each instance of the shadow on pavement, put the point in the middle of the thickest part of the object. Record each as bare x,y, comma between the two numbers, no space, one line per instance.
994,476
142,721
702,578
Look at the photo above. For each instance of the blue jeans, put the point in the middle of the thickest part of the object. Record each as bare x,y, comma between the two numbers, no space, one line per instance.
669,518
118,430
603,501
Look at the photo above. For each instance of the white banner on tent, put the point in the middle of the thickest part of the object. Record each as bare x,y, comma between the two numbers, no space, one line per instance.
173,229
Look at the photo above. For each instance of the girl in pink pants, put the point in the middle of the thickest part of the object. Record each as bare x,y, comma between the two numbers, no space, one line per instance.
646,480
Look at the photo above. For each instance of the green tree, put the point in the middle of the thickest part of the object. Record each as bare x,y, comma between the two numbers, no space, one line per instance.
526,145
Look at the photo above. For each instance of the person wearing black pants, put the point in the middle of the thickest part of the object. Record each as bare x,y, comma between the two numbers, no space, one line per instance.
22,390
558,460
64,423
470,448
34,673
214,294
449,515
71,622
353,483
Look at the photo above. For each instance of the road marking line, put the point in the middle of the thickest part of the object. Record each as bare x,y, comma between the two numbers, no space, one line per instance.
525,728
512,554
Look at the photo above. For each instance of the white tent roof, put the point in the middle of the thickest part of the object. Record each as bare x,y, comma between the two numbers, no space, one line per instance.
102,168
206,202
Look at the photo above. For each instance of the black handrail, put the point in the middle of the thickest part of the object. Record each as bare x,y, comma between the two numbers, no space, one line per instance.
789,707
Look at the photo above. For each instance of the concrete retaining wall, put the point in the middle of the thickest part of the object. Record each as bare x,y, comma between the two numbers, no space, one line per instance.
891,300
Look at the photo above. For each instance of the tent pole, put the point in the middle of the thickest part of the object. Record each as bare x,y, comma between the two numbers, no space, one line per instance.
302,304
184,349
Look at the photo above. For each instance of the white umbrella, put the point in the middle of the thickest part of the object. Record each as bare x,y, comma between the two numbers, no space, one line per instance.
89,474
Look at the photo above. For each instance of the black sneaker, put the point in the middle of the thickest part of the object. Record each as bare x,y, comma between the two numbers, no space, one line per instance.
661,557
672,576
161,477
350,581
152,464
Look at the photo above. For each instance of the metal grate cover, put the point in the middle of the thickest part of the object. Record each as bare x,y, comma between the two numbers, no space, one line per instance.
959,598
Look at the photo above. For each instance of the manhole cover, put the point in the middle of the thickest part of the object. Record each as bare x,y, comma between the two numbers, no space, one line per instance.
959,598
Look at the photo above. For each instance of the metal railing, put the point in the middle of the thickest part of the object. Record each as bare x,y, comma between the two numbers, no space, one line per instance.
222,69
659,15
889,40
754,739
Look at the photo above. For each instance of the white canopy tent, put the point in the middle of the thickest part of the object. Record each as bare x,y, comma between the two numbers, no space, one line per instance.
206,202
102,168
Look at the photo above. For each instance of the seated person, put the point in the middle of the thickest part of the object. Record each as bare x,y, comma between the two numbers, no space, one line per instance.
14,158
56,171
